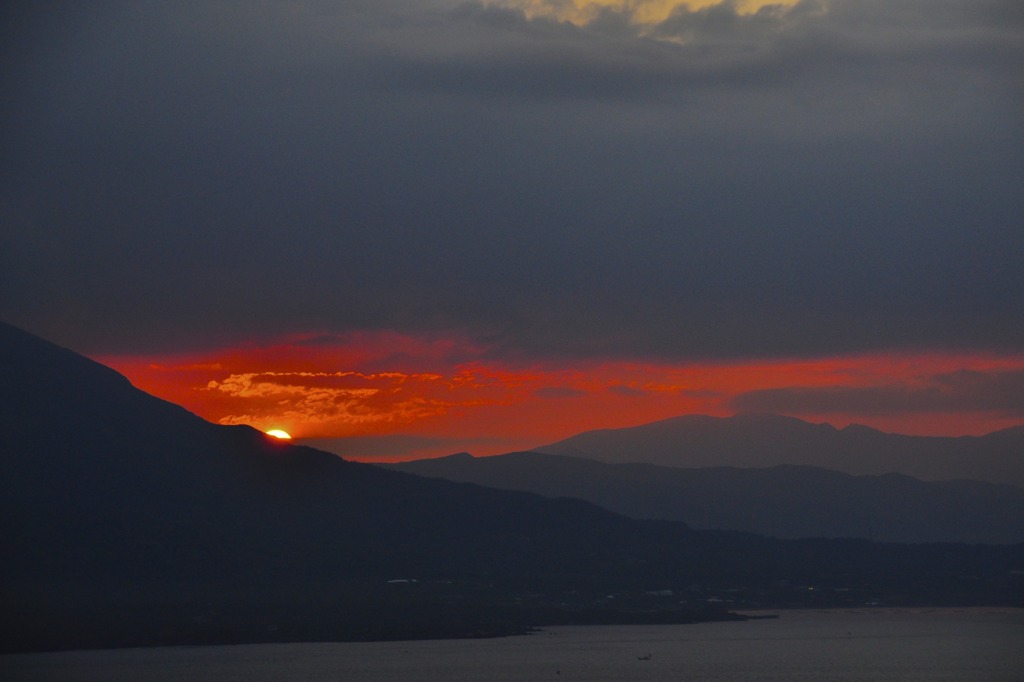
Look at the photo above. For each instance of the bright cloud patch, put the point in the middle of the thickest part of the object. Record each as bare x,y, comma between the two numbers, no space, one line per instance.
347,401
583,12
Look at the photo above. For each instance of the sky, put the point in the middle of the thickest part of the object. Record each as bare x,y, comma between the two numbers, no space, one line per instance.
405,228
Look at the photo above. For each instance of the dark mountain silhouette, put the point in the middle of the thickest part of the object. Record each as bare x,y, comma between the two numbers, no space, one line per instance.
126,520
783,501
758,441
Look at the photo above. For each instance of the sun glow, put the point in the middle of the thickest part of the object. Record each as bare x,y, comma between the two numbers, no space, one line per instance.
278,433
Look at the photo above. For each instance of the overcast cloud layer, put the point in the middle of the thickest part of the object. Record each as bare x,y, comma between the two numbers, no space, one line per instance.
827,177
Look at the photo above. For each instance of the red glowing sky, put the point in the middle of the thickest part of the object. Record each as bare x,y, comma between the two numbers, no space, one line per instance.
393,396
525,220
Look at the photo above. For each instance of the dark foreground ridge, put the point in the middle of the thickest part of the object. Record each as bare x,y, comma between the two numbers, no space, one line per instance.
127,521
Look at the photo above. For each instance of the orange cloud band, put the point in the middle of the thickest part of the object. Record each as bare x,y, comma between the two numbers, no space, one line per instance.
378,384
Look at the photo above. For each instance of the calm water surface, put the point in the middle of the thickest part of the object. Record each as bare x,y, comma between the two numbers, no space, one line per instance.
870,644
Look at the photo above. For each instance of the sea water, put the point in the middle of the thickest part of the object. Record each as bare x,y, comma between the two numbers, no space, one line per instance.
868,644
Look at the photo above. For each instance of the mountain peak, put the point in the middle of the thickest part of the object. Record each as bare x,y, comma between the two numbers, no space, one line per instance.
751,440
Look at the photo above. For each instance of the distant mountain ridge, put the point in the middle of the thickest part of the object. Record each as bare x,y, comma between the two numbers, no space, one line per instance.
759,441
787,501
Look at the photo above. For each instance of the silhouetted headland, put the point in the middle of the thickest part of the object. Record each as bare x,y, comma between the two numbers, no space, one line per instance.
128,521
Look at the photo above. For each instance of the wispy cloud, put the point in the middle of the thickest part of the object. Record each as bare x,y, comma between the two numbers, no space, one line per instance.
307,401
956,392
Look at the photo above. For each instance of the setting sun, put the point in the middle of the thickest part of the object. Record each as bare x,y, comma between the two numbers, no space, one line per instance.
278,433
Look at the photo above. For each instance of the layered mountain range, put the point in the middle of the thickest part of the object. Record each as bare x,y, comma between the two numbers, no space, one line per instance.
785,501
765,440
126,520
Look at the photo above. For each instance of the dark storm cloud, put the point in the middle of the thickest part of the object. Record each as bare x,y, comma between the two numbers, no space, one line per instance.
961,391
838,177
